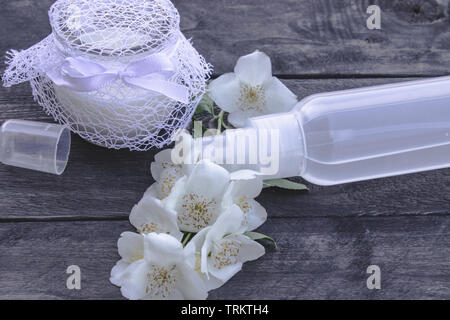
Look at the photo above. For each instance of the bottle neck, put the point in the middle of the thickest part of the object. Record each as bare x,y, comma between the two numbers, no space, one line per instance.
272,145
287,147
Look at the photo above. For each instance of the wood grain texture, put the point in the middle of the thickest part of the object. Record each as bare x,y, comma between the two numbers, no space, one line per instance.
303,37
327,237
316,259
323,37
100,183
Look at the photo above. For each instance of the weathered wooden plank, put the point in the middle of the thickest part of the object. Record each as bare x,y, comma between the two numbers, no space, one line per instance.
102,183
316,259
303,37
323,252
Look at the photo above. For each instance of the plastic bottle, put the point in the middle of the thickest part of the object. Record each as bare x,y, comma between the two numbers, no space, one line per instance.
353,135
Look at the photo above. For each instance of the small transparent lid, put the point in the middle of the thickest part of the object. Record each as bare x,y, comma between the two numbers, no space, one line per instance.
114,28
33,145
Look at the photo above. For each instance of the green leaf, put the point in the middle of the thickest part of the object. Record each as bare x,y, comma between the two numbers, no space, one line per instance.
206,105
285,184
259,236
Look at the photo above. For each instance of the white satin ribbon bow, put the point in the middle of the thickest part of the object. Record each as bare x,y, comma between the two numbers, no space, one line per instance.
151,73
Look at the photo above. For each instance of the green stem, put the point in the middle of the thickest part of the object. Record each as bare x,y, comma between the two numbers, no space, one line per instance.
186,239
225,126
220,121
213,113
220,115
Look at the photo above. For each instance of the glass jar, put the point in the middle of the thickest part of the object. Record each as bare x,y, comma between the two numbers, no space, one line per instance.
114,34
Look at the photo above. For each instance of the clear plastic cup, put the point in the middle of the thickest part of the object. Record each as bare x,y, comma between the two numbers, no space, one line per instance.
37,146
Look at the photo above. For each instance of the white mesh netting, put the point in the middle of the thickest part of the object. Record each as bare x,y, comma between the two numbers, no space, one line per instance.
113,33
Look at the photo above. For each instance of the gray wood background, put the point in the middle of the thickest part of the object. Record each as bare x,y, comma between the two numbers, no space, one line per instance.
326,237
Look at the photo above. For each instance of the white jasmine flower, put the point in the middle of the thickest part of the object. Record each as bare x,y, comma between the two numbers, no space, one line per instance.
244,188
162,273
222,249
131,249
166,172
251,90
197,198
150,215
201,196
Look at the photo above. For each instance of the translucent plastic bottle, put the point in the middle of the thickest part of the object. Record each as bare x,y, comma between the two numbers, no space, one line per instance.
361,134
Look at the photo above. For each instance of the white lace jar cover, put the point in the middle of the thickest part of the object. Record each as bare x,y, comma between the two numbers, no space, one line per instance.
118,72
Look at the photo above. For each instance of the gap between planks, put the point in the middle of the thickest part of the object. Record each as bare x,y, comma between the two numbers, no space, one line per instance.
304,217
347,76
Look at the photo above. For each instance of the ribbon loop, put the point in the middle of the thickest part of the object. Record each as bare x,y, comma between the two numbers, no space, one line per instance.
151,73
